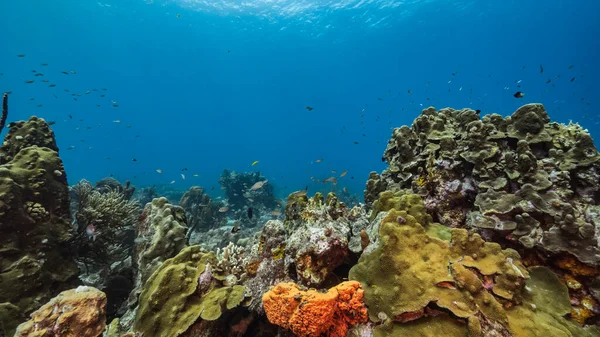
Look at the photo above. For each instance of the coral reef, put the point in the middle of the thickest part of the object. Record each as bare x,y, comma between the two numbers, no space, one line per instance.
519,178
312,313
72,313
201,212
34,217
181,291
238,189
146,195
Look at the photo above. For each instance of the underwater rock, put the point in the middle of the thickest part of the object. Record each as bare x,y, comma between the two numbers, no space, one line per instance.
317,240
521,178
10,318
109,184
309,313
34,218
201,212
73,313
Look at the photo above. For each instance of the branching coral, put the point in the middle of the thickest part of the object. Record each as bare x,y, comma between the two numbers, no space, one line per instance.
311,313
103,221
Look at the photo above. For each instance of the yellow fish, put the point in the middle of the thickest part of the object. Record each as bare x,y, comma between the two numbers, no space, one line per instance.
254,163
159,171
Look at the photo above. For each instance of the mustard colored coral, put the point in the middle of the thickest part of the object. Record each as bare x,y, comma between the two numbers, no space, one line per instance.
311,313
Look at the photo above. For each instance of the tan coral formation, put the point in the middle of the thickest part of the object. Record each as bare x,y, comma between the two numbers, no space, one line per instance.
77,312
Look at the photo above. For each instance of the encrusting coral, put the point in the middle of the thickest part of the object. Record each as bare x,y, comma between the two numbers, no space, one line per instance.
413,279
309,313
182,290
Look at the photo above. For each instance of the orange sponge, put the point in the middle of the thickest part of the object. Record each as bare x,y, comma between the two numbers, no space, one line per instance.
311,313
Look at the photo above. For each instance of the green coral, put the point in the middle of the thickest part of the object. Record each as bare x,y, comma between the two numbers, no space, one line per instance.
34,218
412,273
404,200
171,300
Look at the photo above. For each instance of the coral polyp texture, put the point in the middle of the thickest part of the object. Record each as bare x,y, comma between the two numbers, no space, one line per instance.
309,313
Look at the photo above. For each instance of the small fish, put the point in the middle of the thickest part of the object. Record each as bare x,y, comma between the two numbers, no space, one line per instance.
254,163
172,181
319,160
178,15
90,230
343,173
345,190
117,121
66,90
87,92
73,72
519,94
548,81
309,108
51,122
276,213
409,91
40,105
29,81
159,171
249,212
45,81
258,185
183,176
356,143
52,85
330,179
70,117
18,137
43,64
20,55
478,111
236,227
541,69
133,160
71,147
39,74
64,72
32,99
572,79
223,209
197,175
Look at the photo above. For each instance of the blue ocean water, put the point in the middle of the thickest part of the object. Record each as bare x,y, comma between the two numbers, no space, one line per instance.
213,85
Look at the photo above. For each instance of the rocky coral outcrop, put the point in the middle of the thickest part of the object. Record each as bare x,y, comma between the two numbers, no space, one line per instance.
34,217
73,313
520,178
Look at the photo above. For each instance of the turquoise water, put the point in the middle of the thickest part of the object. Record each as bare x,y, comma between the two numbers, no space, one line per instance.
213,85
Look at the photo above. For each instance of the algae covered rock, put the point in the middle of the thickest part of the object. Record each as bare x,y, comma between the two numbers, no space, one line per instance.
181,291
72,313
34,218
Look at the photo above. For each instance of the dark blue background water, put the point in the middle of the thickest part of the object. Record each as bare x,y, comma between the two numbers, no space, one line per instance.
186,102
